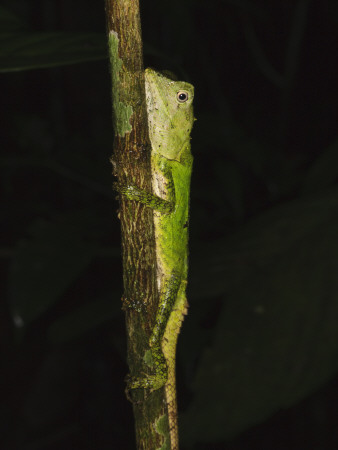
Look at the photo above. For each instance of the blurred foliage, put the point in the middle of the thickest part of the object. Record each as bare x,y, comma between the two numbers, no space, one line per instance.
260,343
22,51
275,285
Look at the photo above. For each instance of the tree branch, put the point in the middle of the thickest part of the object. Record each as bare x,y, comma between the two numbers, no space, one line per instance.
131,162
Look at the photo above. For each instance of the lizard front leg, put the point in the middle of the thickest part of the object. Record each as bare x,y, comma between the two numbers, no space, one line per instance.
133,192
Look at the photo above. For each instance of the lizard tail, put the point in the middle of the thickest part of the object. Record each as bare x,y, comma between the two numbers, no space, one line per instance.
169,351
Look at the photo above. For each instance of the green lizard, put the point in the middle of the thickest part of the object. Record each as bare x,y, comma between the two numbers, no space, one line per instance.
170,120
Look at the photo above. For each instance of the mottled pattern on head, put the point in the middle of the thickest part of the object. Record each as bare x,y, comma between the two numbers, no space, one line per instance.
170,114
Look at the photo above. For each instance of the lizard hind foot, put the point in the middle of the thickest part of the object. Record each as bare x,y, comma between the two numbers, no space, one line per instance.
151,382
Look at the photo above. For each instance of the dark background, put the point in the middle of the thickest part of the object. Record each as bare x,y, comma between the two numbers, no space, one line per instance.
258,354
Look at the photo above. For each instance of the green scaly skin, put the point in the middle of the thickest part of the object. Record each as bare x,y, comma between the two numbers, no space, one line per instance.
170,120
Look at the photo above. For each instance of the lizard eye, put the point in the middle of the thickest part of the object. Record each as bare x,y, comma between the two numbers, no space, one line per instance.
182,96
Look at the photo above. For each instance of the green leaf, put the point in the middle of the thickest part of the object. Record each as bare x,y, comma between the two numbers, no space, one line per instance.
276,337
45,265
23,51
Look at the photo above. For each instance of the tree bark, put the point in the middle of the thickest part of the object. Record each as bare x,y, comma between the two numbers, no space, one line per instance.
131,162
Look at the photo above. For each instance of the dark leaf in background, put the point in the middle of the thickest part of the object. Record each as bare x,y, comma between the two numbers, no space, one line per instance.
276,337
9,21
23,51
324,171
85,318
44,266
257,245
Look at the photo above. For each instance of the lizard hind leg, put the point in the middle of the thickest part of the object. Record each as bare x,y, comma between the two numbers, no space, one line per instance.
159,374
165,308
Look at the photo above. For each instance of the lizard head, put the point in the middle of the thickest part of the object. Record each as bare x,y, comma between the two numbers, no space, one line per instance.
170,113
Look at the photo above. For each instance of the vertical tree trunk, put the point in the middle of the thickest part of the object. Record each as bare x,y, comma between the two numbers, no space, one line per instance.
131,161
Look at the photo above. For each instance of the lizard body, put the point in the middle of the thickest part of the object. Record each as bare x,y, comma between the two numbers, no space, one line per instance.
170,120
